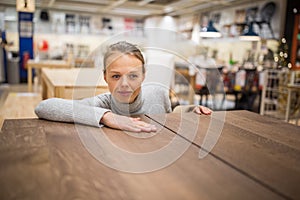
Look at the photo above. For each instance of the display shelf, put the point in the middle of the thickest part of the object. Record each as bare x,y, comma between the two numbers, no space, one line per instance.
295,53
272,92
279,97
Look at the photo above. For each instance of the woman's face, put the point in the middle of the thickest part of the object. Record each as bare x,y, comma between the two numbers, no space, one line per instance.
124,77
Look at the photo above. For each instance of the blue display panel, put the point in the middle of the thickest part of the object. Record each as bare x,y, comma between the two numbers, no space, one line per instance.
25,29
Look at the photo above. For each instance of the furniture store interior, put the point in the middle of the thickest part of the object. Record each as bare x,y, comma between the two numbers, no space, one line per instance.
222,54
149,99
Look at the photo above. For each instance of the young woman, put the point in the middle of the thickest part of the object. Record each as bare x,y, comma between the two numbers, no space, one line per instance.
124,73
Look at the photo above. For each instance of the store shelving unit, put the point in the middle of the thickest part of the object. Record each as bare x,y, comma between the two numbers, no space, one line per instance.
278,98
272,93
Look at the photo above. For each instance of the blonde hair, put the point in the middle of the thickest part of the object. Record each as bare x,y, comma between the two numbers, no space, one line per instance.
123,47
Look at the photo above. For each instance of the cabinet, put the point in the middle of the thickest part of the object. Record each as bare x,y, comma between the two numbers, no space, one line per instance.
295,57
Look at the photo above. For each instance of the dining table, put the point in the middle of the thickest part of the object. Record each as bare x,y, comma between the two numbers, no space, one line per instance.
226,155
73,83
40,64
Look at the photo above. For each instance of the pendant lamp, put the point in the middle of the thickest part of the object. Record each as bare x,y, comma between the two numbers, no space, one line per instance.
210,31
250,35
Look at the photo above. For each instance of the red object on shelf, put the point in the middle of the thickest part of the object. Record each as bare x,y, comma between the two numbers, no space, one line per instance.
43,45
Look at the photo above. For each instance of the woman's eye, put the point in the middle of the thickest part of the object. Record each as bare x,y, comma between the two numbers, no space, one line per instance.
133,76
115,76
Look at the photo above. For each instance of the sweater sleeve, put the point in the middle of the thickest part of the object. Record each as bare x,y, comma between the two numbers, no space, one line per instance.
88,111
167,102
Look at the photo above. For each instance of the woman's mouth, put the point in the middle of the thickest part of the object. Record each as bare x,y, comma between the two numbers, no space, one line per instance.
125,93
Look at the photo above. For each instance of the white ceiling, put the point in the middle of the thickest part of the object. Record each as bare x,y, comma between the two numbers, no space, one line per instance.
133,8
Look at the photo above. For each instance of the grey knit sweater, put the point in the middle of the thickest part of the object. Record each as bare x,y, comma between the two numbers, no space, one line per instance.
153,99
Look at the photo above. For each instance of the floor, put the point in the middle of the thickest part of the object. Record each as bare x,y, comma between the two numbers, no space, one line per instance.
16,102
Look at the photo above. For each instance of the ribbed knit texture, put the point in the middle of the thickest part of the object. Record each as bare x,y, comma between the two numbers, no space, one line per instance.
153,99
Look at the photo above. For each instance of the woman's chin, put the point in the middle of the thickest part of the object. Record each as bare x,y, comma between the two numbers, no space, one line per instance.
123,99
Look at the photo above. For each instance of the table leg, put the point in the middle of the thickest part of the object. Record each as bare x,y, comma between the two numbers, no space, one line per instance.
288,105
44,89
29,78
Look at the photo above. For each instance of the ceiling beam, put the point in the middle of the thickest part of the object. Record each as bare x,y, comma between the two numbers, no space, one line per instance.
113,5
50,4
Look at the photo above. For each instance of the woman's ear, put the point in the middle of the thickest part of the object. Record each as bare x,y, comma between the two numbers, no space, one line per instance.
144,74
104,74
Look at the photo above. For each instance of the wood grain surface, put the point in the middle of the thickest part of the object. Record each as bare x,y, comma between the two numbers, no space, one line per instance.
264,149
48,160
73,83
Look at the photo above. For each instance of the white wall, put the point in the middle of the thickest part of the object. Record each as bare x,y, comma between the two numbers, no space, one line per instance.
163,32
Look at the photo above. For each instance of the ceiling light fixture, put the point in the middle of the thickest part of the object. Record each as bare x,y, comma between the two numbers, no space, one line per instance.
250,35
210,31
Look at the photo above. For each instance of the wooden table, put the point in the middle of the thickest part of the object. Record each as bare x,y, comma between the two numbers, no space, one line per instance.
255,157
74,83
33,64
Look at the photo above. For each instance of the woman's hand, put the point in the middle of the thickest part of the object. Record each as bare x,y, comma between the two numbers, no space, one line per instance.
126,123
202,110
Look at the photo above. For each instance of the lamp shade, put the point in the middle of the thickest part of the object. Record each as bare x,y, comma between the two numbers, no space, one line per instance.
210,31
250,35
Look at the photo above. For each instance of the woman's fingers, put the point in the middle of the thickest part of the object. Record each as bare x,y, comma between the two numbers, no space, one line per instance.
139,128
143,126
135,118
133,124
202,110
205,110
197,110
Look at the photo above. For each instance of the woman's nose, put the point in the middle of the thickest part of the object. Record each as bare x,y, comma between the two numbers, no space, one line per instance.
124,81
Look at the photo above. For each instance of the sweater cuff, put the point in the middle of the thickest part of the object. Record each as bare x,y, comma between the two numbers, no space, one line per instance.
104,111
